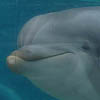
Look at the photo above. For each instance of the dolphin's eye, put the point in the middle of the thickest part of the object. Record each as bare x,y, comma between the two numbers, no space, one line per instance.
86,46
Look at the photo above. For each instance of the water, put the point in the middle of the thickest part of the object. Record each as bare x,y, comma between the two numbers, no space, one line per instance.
13,14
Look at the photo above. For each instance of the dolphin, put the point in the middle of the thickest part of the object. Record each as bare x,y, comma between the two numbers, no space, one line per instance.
59,52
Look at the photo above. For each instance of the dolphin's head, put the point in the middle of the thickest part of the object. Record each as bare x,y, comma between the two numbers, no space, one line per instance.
59,54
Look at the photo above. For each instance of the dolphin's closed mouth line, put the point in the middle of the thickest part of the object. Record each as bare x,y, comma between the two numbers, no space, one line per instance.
47,56
39,56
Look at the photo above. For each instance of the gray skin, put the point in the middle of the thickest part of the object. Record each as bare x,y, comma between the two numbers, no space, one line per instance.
59,52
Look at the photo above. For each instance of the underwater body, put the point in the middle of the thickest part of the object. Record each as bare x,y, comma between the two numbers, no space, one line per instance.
59,52
14,15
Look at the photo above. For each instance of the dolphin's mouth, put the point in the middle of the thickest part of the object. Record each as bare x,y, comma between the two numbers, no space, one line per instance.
15,62
34,53
20,55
